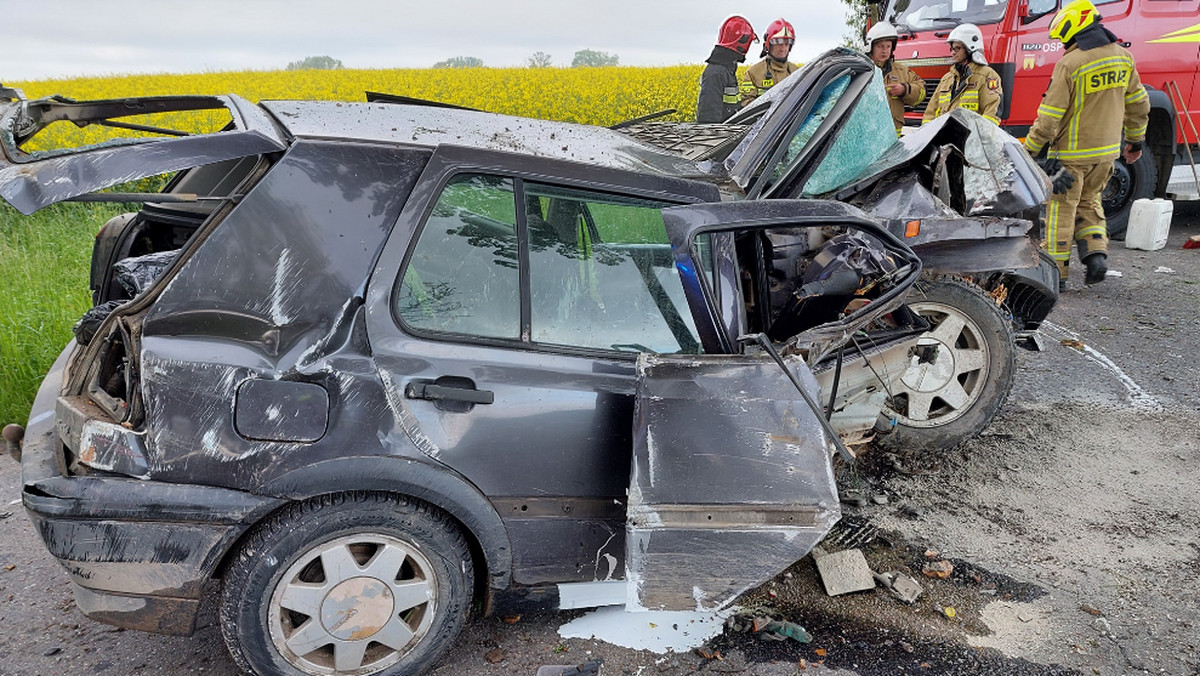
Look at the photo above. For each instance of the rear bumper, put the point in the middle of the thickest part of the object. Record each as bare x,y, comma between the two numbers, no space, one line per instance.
138,552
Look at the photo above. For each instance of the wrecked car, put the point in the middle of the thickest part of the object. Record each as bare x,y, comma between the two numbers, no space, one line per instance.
956,190
358,367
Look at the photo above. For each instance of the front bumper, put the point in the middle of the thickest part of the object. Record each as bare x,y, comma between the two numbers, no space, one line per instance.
138,552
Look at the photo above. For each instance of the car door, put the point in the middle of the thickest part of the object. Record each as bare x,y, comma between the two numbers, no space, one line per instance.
732,453
506,317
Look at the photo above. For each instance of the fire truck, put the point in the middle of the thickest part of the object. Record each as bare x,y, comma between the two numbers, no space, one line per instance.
1163,35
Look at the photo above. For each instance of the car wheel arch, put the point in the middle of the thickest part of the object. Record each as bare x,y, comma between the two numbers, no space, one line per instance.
440,487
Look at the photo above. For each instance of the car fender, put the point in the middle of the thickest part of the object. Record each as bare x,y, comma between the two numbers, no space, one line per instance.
439,486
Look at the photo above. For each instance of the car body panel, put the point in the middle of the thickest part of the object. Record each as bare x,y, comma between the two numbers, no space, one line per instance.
706,526
30,181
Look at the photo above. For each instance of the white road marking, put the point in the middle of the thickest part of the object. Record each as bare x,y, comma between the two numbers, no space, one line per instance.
1140,399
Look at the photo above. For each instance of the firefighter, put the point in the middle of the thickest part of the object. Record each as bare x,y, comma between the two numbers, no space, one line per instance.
720,96
1095,95
904,87
971,83
777,45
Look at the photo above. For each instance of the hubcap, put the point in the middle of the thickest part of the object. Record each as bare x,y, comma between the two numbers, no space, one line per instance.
947,372
355,604
357,608
1118,189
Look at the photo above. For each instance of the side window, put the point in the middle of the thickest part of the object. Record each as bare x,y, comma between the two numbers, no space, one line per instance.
601,274
462,276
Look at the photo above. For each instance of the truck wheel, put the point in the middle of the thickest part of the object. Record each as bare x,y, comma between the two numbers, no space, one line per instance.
362,583
1128,183
960,374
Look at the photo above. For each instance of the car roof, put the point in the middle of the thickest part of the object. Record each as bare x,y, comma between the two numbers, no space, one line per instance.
433,126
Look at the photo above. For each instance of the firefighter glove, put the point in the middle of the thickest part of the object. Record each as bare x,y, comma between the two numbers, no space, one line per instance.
1061,179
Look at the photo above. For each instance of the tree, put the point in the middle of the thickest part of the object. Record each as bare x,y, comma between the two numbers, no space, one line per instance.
539,60
460,62
587,58
856,20
316,63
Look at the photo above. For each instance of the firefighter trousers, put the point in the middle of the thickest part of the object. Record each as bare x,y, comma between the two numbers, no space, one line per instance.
1078,215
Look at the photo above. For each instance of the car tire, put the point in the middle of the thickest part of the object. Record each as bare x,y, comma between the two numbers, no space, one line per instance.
961,373
368,583
1129,182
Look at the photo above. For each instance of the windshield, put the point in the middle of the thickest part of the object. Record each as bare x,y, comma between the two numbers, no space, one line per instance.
930,14
861,137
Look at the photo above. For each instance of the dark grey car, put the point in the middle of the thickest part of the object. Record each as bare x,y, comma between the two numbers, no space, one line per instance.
363,365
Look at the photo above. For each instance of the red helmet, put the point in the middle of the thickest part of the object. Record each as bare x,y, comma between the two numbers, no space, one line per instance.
736,34
779,32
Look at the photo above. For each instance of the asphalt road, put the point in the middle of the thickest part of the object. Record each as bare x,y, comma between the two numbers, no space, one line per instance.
1071,525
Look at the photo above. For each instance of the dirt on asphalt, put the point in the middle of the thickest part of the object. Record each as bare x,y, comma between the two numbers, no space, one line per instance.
1071,525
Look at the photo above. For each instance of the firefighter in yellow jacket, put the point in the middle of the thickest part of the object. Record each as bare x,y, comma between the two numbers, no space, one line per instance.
904,87
1094,96
777,46
971,83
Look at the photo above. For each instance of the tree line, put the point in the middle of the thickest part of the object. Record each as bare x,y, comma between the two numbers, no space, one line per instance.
584,58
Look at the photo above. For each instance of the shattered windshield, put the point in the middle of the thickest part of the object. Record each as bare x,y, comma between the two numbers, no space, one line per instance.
921,15
865,135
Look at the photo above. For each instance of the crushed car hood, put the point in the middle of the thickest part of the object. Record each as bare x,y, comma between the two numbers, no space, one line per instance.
31,180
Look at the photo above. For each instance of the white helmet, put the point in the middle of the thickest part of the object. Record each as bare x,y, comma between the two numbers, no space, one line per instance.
882,31
969,35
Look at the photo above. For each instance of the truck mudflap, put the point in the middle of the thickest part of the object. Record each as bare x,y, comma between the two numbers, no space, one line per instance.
731,481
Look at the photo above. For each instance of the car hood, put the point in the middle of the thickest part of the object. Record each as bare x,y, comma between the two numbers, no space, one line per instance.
34,178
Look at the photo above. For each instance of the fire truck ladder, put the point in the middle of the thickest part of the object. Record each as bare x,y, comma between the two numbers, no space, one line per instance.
1182,113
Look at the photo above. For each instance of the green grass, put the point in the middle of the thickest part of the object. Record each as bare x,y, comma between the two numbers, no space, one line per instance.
44,261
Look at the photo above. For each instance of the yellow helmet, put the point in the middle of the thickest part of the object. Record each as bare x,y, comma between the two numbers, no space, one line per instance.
1072,18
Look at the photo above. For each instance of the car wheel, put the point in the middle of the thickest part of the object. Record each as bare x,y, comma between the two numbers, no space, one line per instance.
961,372
363,583
1129,182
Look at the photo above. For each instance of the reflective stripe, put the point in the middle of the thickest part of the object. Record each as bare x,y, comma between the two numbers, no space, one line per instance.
1086,153
993,120
732,95
1086,233
1136,133
1051,111
1134,97
1031,146
1052,233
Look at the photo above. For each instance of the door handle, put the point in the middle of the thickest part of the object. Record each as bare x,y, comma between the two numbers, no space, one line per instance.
434,392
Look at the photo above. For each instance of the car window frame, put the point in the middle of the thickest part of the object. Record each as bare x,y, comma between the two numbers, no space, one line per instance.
450,161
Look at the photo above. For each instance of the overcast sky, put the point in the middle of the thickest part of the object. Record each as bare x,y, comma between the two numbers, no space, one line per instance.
50,39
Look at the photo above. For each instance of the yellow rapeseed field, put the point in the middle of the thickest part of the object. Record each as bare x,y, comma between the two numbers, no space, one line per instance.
602,96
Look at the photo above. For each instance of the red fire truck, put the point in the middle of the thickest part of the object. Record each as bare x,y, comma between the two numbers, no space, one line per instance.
1163,35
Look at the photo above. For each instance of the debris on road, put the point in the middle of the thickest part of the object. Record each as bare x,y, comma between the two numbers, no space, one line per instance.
589,668
1165,270
1073,344
1192,242
938,569
494,656
900,585
843,572
767,629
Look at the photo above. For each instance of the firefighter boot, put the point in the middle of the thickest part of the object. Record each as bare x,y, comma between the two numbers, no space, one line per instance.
1097,267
